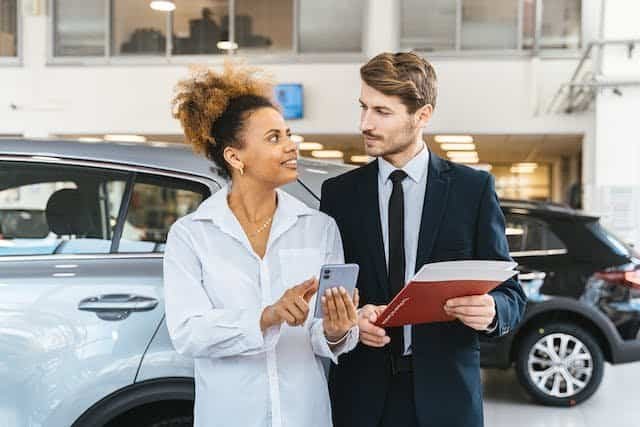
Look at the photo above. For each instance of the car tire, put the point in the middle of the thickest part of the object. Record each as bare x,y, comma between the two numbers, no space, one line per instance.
179,421
559,364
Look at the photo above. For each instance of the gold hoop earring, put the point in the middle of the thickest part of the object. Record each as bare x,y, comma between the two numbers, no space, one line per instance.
241,170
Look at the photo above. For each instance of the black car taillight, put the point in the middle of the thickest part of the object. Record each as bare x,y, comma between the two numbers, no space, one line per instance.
630,279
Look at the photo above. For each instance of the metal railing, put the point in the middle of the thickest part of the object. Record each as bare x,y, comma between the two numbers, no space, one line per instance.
580,94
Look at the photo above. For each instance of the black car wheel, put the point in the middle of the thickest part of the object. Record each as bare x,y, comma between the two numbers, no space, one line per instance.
559,364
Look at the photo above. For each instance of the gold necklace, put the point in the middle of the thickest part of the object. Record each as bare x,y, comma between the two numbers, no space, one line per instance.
262,228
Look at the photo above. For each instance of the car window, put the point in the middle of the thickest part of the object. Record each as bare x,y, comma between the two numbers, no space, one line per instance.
155,204
57,209
526,234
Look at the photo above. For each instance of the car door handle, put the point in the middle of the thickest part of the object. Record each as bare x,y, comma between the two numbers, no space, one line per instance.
117,306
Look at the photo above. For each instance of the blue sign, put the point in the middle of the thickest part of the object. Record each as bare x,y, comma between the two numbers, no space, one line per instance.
290,98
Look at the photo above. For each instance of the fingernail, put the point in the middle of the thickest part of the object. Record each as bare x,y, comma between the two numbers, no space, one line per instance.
343,290
324,299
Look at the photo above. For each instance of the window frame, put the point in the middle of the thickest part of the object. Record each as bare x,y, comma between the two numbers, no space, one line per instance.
210,183
526,220
536,50
294,56
18,59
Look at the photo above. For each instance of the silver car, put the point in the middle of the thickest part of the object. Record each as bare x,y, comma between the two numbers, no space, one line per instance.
82,230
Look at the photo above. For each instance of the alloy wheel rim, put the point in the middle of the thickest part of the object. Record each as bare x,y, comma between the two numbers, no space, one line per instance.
560,365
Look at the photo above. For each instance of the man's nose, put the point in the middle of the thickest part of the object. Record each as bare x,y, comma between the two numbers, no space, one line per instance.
365,122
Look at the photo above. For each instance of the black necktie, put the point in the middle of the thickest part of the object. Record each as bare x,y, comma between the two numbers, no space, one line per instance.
396,252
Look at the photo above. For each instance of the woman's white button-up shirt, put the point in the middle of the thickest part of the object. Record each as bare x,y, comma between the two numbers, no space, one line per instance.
215,290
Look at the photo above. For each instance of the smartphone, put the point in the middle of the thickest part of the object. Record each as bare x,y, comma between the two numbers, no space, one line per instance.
334,276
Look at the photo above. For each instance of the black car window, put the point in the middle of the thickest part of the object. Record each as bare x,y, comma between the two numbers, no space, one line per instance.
156,202
57,209
526,234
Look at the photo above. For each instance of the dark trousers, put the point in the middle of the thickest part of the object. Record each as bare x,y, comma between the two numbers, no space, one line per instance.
399,406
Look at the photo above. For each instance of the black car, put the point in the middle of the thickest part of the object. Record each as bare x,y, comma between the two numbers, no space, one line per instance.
583,289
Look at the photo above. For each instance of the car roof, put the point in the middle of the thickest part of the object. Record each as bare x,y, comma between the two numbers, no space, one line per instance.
158,155
544,209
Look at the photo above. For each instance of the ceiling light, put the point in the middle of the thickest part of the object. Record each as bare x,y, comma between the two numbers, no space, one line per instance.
462,154
125,138
163,5
308,146
453,147
455,139
90,139
296,138
516,169
526,165
361,159
327,154
227,45
483,167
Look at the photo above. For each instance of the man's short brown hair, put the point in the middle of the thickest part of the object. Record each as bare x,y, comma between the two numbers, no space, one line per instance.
402,74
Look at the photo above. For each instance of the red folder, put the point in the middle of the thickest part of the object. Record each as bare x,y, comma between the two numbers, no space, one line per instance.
422,300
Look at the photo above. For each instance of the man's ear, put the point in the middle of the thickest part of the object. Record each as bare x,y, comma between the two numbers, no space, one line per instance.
423,115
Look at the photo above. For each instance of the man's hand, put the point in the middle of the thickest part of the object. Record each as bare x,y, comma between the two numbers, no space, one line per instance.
370,334
292,307
476,311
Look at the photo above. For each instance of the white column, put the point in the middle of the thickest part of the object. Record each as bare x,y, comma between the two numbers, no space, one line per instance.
382,27
616,178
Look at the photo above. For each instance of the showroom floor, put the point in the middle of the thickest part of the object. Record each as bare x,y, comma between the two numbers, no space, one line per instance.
615,404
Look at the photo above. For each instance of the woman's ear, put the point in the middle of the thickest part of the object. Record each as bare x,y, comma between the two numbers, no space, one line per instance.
231,156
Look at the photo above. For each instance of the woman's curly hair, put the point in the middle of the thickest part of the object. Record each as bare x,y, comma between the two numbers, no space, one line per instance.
212,107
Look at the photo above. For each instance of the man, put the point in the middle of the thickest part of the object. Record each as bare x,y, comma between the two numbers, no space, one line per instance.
403,210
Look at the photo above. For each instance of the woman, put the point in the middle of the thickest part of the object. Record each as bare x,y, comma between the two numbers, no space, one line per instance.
240,271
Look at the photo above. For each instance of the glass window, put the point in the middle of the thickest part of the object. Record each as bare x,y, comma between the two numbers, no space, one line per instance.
156,203
53,209
489,24
8,28
264,25
561,24
529,234
198,26
137,29
330,26
560,27
79,28
428,25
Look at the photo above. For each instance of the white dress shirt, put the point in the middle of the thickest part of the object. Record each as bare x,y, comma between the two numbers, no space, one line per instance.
216,288
414,187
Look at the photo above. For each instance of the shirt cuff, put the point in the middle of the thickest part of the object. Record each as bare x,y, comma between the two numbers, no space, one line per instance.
344,345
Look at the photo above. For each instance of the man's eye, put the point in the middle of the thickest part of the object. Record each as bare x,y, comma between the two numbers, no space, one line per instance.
273,138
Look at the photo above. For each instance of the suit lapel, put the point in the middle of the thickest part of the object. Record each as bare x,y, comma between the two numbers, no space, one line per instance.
435,203
372,227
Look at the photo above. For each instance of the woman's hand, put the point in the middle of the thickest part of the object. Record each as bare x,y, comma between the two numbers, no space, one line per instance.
339,312
292,307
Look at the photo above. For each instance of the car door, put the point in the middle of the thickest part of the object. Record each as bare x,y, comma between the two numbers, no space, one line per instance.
75,313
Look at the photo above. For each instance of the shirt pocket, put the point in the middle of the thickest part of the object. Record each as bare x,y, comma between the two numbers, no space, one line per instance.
300,264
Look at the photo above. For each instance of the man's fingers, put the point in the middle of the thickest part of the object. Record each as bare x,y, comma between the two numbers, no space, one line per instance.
369,328
473,300
374,341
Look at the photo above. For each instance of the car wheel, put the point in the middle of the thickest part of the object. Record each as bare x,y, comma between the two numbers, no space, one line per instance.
181,421
559,364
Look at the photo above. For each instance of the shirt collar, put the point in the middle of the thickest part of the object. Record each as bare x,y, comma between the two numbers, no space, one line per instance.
216,208
415,168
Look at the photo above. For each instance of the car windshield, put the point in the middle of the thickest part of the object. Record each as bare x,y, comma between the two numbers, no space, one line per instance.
610,239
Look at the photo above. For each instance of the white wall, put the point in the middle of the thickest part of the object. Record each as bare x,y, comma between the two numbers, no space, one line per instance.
614,186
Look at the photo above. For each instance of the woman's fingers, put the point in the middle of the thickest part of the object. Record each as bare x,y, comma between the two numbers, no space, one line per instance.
310,290
284,314
331,304
356,298
339,295
302,305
